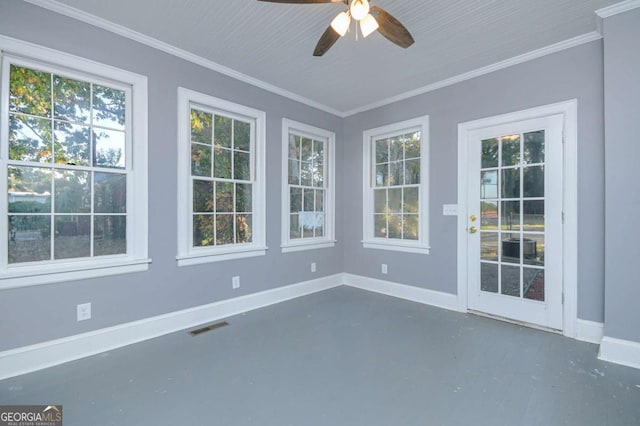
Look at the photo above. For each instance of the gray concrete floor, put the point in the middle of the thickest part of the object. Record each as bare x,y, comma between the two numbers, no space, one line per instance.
342,357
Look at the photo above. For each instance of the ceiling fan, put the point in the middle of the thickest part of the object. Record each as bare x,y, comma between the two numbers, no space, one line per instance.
371,18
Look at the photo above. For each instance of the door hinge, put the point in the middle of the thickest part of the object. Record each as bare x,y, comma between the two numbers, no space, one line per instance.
563,298
563,218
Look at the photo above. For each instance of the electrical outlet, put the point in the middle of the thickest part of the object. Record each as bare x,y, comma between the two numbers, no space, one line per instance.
235,282
313,266
83,311
384,268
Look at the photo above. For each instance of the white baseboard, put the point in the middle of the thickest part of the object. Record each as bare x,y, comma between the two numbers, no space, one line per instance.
624,352
402,291
26,359
589,331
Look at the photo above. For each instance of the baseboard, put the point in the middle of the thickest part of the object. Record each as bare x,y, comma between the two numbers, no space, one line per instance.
624,352
403,291
589,331
26,359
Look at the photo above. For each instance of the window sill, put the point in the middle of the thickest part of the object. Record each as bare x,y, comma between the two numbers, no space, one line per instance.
392,246
312,245
24,276
220,255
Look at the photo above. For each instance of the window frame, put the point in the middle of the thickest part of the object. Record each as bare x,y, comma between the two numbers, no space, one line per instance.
421,245
16,52
329,138
187,253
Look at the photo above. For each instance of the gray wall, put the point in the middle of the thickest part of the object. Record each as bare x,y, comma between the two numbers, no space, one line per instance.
622,122
574,73
35,314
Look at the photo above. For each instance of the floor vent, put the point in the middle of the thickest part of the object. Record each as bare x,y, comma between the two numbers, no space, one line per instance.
199,331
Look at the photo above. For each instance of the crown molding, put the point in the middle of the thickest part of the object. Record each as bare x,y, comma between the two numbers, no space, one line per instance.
104,24
615,9
557,47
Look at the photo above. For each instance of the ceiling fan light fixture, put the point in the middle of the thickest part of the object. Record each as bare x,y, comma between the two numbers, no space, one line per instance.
368,25
359,9
341,23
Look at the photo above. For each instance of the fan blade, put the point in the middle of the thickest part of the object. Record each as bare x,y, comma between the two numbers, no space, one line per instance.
327,40
303,1
391,28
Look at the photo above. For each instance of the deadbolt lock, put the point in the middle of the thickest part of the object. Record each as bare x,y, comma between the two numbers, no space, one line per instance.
473,218
473,230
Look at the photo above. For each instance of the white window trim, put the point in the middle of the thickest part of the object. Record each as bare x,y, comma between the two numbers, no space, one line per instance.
136,260
368,240
188,255
329,138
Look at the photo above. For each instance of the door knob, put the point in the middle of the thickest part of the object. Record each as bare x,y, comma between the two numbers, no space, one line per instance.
473,218
473,230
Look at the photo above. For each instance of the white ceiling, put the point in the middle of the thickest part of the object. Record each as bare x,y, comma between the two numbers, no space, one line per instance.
273,42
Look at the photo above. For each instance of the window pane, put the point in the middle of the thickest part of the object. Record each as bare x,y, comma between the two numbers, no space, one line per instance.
241,135
222,163
109,235
294,147
201,126
72,192
202,230
224,197
410,202
109,148
307,219
411,228
306,178
307,150
202,196
110,193
319,200
72,99
318,176
294,172
510,150
294,227
318,152
382,174
29,190
489,153
412,145
30,91
29,238
295,195
222,132
395,226
243,228
511,183
224,229
72,237
396,149
534,147
412,172
242,165
382,151
309,200
244,198
396,173
108,107
29,139
380,226
200,160
533,181
318,229
71,144
380,201
395,200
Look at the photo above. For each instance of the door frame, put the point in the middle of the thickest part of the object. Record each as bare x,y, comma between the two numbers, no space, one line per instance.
569,111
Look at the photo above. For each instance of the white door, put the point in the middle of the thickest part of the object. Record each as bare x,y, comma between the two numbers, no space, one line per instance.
514,223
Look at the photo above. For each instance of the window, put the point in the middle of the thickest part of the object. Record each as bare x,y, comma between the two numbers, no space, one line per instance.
308,194
75,204
396,186
221,172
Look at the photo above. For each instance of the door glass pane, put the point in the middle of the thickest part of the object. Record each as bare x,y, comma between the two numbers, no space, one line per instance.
510,280
489,215
510,248
511,183
510,216
533,181
489,277
489,153
489,184
510,150
533,249
489,246
533,284
534,147
533,215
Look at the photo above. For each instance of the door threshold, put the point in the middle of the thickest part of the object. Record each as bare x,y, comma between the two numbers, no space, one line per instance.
515,322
